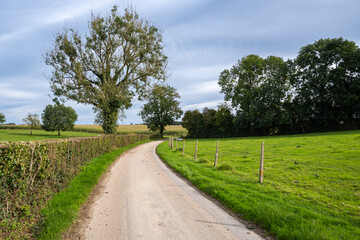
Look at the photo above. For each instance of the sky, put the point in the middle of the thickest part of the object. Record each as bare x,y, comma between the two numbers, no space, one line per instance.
201,37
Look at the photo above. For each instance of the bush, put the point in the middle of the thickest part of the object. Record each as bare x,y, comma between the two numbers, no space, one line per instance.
31,173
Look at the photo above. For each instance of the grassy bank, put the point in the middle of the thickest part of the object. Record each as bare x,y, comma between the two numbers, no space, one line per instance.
62,210
311,182
15,135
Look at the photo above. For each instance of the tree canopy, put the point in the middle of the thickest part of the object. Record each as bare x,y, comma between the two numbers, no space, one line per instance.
209,122
257,88
119,58
317,91
32,120
162,108
58,118
327,82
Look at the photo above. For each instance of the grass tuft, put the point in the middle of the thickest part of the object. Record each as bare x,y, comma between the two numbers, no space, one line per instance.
225,167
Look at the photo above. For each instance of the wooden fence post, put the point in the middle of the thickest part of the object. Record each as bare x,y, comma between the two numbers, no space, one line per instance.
172,143
216,154
176,144
261,172
196,149
169,142
183,146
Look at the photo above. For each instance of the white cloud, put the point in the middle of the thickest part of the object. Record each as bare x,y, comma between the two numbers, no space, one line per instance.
52,14
11,93
209,73
200,106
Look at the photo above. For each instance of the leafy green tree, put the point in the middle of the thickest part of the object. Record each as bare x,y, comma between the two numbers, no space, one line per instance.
209,123
32,120
327,83
120,56
58,118
162,108
224,121
257,88
2,118
193,122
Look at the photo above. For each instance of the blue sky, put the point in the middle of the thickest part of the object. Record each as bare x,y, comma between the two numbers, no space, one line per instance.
202,38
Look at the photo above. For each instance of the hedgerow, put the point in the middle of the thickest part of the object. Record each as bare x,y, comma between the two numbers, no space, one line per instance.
32,172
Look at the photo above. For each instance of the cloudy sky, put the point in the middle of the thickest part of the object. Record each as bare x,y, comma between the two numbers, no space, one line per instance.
202,38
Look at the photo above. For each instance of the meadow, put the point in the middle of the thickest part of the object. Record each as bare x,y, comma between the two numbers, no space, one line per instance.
15,135
311,182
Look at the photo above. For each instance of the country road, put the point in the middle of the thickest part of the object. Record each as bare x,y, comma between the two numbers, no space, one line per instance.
140,198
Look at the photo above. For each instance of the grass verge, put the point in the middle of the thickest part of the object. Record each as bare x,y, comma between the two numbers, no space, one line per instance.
63,208
311,182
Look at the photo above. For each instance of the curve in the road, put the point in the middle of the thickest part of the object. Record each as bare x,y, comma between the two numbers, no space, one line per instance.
142,199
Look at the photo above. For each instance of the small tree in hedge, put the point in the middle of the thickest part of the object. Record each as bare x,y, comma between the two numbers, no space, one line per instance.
2,118
162,108
32,120
58,118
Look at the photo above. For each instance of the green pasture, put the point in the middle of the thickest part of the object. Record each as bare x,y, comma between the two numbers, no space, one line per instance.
15,135
311,187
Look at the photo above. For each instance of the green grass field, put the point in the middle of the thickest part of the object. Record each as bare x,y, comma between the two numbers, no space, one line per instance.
311,182
15,135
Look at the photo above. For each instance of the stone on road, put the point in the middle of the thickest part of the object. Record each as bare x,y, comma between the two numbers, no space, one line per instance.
142,199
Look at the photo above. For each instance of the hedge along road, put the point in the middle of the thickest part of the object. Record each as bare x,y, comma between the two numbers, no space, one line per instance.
140,198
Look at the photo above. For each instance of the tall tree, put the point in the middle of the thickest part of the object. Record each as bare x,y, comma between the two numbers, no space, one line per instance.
327,82
2,118
162,108
118,58
32,120
58,118
257,88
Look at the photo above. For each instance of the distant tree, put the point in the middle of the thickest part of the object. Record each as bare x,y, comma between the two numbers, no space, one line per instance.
224,121
193,122
257,89
162,108
209,122
2,118
58,118
32,120
120,56
210,129
327,83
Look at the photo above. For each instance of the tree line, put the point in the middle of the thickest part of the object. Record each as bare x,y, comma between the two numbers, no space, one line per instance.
55,117
317,91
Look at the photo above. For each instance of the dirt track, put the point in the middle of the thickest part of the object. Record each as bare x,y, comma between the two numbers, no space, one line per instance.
141,198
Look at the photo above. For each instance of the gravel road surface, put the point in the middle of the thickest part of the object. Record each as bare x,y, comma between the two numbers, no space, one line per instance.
141,198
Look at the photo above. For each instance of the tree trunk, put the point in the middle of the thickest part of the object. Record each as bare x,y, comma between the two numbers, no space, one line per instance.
161,131
109,120
58,133
30,132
